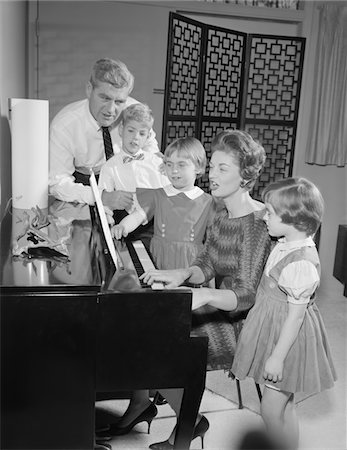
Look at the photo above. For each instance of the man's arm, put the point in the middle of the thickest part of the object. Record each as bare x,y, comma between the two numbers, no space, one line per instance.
117,199
61,181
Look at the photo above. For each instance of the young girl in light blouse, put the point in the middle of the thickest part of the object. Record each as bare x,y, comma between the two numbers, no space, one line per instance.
283,343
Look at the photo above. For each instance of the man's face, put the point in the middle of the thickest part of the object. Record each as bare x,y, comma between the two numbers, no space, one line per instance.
106,102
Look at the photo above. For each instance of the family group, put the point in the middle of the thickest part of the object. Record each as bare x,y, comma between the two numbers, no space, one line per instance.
235,253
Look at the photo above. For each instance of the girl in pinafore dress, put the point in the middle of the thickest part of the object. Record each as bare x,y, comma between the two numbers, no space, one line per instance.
283,343
181,210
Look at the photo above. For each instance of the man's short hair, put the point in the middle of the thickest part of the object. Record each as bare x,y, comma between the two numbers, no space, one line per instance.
112,71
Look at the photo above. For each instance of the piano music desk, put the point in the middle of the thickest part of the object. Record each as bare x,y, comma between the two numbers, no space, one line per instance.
63,340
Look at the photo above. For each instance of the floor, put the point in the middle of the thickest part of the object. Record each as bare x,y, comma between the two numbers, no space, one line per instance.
322,417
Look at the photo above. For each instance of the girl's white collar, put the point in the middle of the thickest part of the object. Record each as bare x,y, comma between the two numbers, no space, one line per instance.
307,242
192,194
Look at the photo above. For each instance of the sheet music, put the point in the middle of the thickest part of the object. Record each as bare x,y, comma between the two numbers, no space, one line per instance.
103,218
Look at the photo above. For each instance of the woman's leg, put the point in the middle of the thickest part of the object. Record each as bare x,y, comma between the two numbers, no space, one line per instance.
138,403
278,413
174,399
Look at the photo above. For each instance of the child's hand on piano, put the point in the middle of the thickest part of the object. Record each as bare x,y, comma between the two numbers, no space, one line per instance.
119,231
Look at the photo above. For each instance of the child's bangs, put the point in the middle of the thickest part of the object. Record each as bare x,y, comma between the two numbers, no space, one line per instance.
282,200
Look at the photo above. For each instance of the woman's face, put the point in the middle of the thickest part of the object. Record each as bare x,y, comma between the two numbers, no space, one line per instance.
224,175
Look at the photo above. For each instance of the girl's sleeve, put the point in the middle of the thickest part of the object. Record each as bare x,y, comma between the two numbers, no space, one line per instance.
146,201
299,280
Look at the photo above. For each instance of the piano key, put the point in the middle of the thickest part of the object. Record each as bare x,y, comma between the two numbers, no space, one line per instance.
146,262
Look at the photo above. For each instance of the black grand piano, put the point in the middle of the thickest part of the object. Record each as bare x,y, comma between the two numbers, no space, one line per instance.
75,329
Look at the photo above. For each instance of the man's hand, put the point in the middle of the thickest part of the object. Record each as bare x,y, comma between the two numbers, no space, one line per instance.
118,231
109,215
118,199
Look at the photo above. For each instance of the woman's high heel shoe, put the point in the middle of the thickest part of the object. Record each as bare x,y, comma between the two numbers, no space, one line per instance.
115,430
200,430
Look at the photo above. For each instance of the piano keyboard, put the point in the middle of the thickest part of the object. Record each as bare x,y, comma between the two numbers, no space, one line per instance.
142,262
133,261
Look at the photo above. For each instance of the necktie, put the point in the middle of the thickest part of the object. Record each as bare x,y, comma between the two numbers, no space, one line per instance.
128,159
107,142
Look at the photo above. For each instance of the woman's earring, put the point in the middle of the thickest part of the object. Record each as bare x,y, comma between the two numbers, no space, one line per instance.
243,183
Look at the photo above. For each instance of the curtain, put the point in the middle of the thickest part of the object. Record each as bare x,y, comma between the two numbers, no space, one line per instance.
327,142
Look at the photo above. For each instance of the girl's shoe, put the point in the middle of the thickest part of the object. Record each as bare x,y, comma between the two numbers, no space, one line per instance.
200,429
115,430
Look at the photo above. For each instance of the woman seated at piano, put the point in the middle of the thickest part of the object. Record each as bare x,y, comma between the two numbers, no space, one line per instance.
234,254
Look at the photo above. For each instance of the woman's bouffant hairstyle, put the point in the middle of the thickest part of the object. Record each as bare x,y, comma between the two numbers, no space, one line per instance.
114,72
249,154
297,201
140,113
189,148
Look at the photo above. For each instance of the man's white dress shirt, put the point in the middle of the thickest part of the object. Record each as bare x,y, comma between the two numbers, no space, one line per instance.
76,144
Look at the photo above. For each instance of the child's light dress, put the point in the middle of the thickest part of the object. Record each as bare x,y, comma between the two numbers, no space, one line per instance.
291,275
180,220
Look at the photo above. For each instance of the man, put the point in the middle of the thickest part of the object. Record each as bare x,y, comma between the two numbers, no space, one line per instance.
83,133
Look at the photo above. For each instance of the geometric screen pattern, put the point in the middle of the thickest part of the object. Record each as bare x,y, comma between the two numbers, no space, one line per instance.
223,73
178,129
209,69
274,78
185,56
278,142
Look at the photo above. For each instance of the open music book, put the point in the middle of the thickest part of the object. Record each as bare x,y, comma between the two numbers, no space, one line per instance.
104,222
126,274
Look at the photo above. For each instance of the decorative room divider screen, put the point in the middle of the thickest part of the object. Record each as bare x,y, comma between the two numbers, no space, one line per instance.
218,78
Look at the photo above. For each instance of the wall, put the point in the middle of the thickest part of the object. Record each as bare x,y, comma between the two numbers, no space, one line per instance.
331,180
13,71
74,34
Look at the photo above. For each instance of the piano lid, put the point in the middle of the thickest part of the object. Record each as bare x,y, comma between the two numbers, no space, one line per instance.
69,231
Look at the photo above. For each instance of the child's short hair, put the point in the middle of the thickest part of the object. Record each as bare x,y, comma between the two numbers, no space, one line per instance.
247,153
138,112
190,148
297,201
